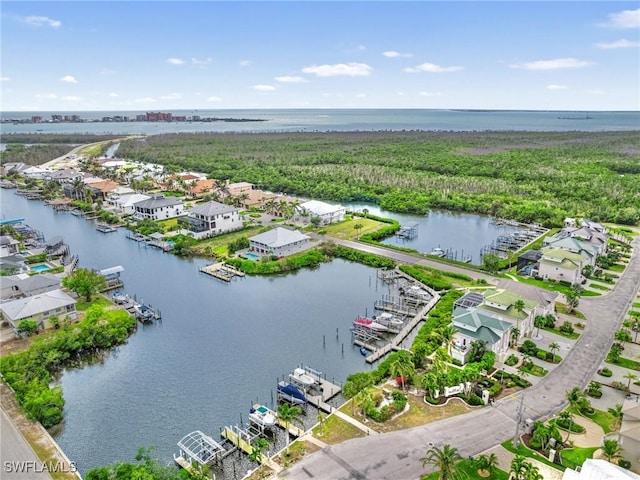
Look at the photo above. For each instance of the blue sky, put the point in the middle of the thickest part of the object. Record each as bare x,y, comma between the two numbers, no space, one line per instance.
161,55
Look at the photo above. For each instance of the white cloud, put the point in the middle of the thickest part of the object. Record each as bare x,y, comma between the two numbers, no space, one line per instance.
145,100
171,96
429,94
114,95
264,88
432,68
623,20
394,54
557,87
340,69
244,63
290,79
622,43
38,21
214,99
175,61
47,96
69,79
4,79
201,61
554,64
71,98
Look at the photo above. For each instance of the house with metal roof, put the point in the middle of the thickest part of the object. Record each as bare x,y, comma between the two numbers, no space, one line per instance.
279,242
598,469
213,218
326,212
562,265
124,203
476,324
40,308
571,244
159,207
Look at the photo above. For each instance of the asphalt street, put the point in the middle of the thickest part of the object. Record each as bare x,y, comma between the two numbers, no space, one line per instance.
396,455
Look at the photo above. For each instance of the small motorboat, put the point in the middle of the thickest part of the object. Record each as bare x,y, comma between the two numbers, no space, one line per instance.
262,416
386,318
364,352
291,393
438,252
300,376
370,324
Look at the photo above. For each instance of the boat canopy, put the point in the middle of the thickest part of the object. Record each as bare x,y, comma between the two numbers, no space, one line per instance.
199,447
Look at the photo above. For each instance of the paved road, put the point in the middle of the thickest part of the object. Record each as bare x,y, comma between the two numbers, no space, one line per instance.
397,455
16,453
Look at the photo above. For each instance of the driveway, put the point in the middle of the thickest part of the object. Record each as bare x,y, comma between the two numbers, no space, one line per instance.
397,454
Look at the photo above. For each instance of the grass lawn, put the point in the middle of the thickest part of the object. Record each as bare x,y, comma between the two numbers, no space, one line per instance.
602,418
618,267
168,224
597,286
562,308
625,363
335,430
528,453
419,413
556,287
574,457
469,471
346,230
636,304
82,305
572,336
218,245
535,370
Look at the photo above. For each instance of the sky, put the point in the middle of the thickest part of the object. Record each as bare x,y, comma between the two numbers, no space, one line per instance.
164,55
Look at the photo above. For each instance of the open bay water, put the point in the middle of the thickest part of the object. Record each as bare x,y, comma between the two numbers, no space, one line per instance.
310,120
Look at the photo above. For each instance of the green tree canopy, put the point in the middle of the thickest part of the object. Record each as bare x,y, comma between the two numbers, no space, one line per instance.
84,282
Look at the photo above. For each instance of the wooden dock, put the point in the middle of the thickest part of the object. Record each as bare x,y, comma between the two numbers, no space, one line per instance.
237,440
222,271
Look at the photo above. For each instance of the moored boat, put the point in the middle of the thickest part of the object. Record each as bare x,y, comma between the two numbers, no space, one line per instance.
438,252
364,352
299,375
370,324
291,393
262,416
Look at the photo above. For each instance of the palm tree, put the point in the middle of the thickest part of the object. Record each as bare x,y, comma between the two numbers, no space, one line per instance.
611,450
630,377
617,414
518,466
289,414
515,335
575,397
363,400
531,472
402,367
444,460
256,453
539,321
554,347
487,463
622,336
446,335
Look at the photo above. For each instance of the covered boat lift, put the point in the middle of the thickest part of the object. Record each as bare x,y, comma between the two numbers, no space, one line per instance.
198,448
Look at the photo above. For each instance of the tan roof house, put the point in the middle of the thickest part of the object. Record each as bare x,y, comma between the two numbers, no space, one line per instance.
562,265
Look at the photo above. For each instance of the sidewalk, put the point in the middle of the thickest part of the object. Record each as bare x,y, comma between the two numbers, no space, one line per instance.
355,423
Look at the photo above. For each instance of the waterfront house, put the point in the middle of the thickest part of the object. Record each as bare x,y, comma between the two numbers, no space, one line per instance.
541,301
24,285
326,212
562,265
213,218
630,430
279,242
39,308
478,325
159,207
34,172
64,176
564,240
8,246
102,188
124,204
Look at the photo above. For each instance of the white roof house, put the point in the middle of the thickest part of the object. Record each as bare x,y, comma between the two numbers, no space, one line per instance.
594,469
279,241
327,212
38,307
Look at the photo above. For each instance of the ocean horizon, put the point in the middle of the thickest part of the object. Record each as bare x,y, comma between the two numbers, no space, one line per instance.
324,120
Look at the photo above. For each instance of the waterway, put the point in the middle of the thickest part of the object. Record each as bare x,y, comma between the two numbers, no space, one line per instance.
219,347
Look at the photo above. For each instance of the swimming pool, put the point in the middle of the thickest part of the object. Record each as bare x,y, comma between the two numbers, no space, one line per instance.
252,256
41,267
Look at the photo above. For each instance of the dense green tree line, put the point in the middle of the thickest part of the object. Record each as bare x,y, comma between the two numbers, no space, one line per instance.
528,176
30,372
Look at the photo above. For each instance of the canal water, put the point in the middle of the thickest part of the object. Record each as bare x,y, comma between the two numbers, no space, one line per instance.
219,347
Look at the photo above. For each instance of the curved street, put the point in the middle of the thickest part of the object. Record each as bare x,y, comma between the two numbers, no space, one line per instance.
396,455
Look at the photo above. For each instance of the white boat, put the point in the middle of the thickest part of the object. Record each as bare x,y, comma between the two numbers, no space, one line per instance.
370,324
299,375
438,252
262,416
386,318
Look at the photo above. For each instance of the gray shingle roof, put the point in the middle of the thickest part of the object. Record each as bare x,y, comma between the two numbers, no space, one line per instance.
30,306
158,201
279,237
212,208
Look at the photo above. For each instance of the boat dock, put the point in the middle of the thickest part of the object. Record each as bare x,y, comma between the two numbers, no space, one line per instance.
222,271
104,228
417,291
320,392
408,231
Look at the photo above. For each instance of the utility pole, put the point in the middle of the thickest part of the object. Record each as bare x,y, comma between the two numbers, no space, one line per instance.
516,436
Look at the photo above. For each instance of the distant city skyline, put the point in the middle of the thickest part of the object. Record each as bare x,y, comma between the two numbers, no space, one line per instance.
164,56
